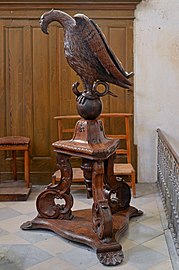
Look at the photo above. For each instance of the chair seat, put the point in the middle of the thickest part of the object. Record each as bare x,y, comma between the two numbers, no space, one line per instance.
17,191
77,174
14,140
123,169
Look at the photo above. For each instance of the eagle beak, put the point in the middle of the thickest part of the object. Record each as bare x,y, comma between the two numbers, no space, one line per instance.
43,25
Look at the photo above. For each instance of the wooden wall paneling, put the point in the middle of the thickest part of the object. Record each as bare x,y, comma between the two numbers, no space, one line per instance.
130,65
3,166
13,111
42,101
13,101
55,102
121,41
41,84
117,40
130,94
2,82
13,84
27,82
14,69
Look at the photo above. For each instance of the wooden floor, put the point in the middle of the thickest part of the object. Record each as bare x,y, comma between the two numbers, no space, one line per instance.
11,190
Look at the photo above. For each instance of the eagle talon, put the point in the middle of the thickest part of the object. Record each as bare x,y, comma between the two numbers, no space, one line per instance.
81,99
75,89
106,90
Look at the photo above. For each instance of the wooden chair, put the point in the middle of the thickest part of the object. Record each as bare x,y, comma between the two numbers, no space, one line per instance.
8,191
123,169
120,169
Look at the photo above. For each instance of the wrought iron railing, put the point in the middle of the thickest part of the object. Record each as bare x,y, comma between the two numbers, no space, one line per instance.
168,183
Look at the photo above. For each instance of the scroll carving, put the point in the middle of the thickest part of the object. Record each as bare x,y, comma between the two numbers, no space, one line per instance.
102,217
116,190
46,204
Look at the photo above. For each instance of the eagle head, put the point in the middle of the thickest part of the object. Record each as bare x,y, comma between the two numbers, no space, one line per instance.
45,19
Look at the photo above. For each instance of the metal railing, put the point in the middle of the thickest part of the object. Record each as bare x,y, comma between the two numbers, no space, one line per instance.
168,183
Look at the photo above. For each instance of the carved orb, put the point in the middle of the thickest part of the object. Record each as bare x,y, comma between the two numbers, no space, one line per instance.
89,107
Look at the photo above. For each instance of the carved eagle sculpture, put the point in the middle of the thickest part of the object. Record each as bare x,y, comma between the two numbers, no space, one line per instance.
87,50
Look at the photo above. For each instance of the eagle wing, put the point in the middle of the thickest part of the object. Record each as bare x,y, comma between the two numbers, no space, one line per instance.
99,46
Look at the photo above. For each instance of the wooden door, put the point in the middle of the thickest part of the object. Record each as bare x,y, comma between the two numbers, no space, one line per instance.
29,97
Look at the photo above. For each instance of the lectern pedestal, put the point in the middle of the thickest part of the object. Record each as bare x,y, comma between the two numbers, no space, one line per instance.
101,227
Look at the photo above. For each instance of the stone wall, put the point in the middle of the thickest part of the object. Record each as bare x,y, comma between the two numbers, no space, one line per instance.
156,67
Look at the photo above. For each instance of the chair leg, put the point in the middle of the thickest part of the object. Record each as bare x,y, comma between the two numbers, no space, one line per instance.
133,184
27,167
14,166
53,179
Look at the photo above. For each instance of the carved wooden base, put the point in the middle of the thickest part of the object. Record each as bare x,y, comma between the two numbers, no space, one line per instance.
80,229
101,227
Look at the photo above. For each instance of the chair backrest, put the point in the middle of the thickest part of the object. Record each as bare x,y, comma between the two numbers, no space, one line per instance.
61,128
123,132
105,117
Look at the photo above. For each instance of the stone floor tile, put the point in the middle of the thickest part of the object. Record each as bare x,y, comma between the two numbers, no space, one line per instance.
2,205
20,257
78,205
35,191
13,224
34,236
153,222
122,266
165,265
145,216
138,202
158,244
53,264
141,233
10,239
3,232
81,257
144,189
143,258
84,199
54,245
127,244
151,207
8,263
6,213
24,207
8,203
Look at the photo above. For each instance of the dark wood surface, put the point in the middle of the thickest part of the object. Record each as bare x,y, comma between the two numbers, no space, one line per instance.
89,141
80,229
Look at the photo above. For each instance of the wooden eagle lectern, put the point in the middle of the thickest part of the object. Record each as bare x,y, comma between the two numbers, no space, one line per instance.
88,53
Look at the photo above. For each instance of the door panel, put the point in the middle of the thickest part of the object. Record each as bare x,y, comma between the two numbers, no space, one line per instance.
29,106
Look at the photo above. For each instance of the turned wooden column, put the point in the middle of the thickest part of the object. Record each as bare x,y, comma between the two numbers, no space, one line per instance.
87,172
